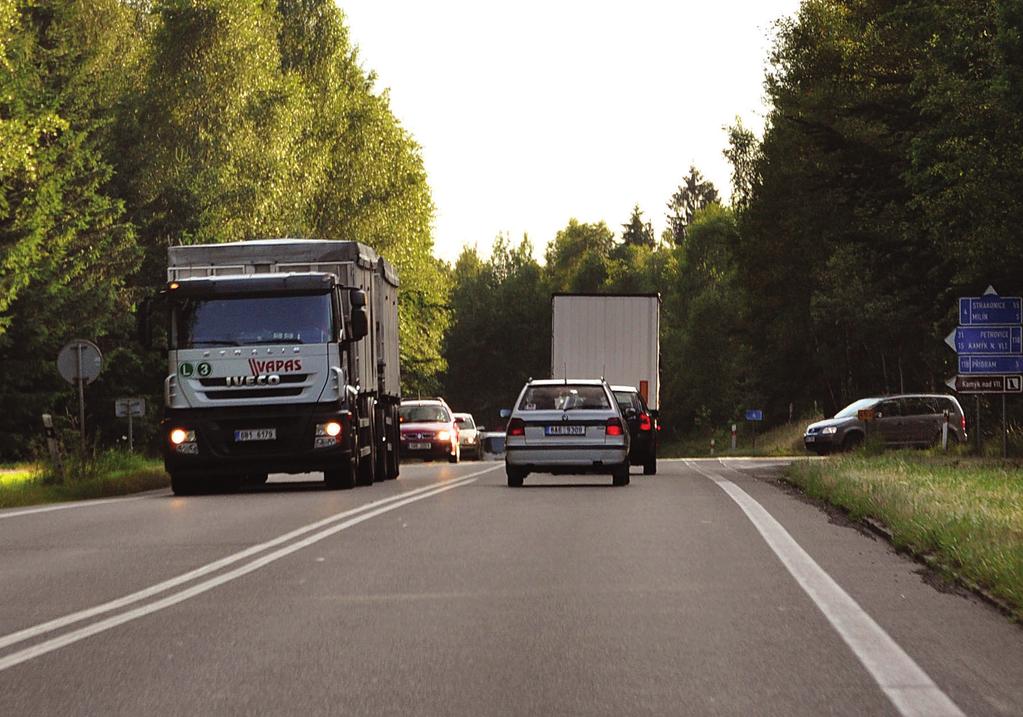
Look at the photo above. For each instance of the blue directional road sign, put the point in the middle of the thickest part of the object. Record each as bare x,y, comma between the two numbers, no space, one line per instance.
973,340
990,310
754,414
991,364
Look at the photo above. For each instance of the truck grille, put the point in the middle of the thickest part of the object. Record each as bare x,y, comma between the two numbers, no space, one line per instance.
268,392
290,385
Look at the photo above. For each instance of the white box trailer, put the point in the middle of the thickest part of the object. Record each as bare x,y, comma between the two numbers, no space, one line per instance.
616,336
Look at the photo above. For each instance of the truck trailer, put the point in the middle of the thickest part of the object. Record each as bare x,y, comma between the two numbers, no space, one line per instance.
282,357
614,336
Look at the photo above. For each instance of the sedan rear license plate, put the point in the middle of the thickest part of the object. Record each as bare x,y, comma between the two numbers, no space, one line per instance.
565,431
419,446
256,434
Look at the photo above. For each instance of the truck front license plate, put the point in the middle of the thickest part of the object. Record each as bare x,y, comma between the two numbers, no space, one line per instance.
566,430
256,434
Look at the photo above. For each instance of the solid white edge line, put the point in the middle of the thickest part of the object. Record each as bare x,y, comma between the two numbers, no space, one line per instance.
29,653
66,506
71,618
909,688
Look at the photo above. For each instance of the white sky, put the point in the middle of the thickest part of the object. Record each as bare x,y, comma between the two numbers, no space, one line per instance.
530,113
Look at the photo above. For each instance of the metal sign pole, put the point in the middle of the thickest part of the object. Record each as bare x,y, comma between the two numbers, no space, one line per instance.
131,438
81,395
1005,431
979,446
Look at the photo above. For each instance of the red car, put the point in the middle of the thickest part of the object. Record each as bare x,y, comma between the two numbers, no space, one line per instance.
428,430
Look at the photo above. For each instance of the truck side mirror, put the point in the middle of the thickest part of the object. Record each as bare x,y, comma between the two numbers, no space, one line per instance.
359,323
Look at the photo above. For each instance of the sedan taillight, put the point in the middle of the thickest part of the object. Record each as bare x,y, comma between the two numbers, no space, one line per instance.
645,424
614,427
516,427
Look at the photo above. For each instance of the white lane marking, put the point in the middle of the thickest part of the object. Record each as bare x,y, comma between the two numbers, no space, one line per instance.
66,506
16,658
908,687
57,623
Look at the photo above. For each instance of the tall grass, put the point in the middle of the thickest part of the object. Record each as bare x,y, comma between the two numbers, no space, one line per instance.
82,476
964,514
783,440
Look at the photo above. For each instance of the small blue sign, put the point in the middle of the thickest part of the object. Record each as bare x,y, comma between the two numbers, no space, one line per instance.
990,310
754,414
972,340
991,364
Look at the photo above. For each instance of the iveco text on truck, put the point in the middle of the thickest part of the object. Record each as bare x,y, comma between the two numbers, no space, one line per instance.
283,357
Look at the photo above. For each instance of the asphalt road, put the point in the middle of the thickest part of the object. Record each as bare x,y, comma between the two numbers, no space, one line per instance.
706,589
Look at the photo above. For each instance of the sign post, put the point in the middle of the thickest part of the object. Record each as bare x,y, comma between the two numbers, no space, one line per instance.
130,407
80,362
52,445
754,416
989,344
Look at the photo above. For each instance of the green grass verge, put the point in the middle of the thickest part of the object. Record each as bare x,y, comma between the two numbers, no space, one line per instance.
784,440
964,515
108,474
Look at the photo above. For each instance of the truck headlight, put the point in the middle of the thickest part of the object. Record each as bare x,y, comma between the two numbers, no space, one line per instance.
829,430
330,428
328,434
180,435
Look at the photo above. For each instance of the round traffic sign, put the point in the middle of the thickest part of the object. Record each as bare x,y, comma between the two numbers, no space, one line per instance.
80,359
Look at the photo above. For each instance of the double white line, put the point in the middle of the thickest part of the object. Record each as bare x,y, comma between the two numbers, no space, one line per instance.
290,541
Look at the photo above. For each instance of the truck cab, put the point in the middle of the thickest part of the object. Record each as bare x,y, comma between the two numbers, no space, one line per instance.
279,370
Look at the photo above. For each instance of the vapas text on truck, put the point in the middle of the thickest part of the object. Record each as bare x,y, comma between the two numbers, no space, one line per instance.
274,366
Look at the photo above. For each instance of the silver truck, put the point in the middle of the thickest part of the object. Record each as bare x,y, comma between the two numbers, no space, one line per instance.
282,357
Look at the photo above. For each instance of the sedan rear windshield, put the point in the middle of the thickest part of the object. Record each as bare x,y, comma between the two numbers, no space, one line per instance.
563,397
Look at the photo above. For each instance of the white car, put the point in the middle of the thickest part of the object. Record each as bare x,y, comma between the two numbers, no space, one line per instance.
566,426
469,436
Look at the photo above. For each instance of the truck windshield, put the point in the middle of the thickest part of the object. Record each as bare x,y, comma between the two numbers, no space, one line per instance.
254,320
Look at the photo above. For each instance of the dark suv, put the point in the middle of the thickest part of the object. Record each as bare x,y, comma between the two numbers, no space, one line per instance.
905,420
642,428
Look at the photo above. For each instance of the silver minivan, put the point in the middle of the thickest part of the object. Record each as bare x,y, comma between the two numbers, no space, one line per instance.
567,426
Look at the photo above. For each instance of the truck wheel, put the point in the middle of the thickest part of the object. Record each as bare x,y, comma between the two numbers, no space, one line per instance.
620,476
515,476
382,451
184,485
366,473
650,465
342,477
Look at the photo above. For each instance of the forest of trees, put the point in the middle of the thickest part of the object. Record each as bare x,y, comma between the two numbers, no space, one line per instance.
886,184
